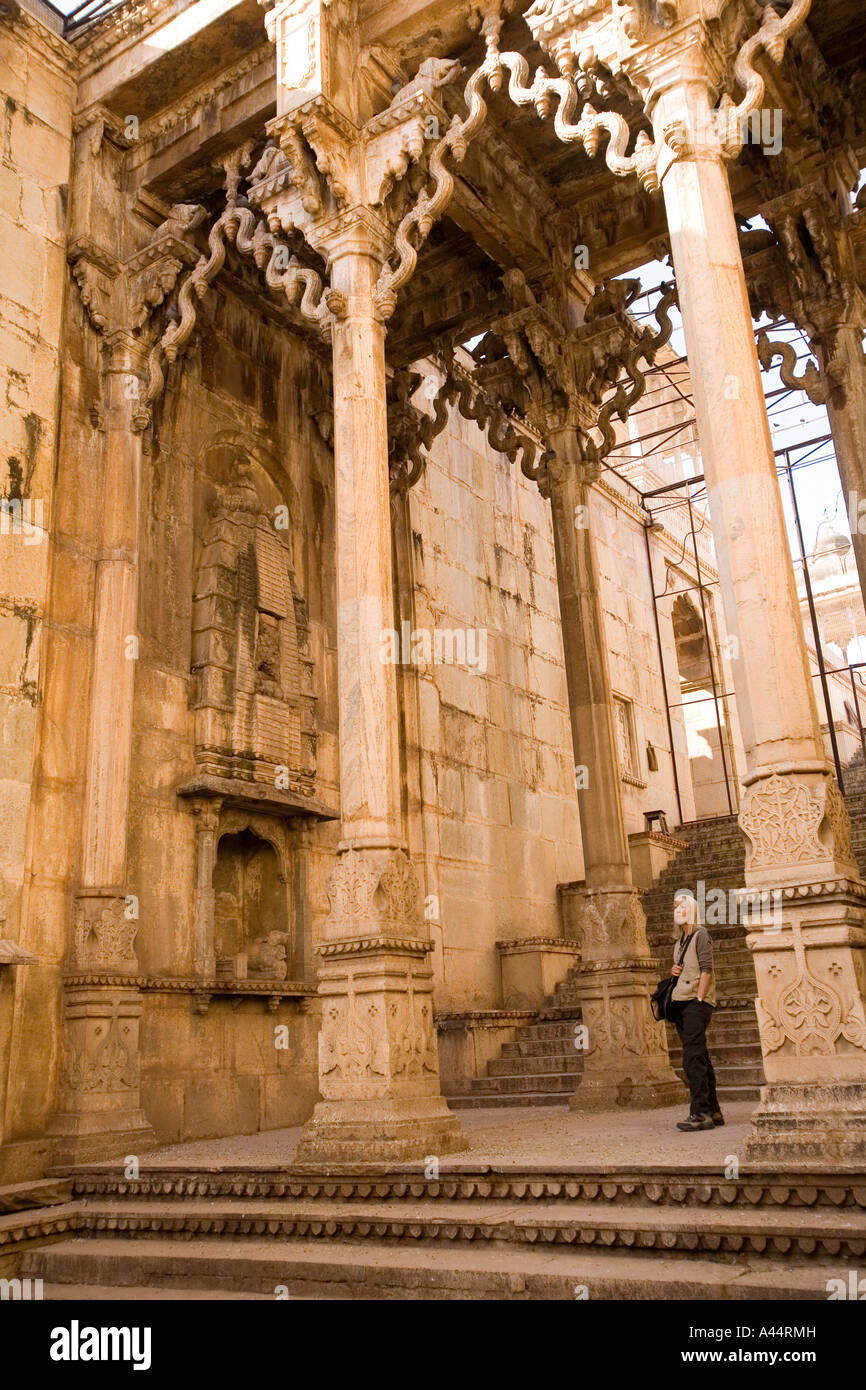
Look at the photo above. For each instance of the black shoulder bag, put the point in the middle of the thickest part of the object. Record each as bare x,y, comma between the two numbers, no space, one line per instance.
660,1002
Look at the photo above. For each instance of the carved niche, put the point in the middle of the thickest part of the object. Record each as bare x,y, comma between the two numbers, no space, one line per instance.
253,688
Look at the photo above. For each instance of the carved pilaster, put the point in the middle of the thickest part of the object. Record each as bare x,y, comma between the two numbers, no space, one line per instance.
378,1062
811,976
207,817
98,1113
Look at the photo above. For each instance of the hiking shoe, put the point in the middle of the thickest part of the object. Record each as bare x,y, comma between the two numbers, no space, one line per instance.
696,1122
717,1118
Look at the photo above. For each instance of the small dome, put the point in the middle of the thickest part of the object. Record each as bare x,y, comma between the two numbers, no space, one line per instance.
830,550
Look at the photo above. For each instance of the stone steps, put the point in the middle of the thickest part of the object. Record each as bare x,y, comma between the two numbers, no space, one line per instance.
96,1293
534,1064
485,1100
331,1270
515,1082
473,1233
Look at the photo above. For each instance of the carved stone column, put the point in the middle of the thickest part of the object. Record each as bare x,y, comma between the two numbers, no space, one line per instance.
377,1049
98,1112
340,157
699,79
626,1060
811,974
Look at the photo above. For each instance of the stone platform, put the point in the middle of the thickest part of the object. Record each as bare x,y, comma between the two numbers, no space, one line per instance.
544,1205
512,1137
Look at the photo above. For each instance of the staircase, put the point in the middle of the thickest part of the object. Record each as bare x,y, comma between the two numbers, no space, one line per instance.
542,1067
652,1232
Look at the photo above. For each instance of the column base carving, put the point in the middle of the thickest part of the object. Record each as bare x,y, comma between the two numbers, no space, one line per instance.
378,1060
809,1124
811,973
99,1113
626,1062
381,1131
796,827
626,1059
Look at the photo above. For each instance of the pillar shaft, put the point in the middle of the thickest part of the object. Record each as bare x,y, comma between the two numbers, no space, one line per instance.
774,696
115,628
378,1060
369,748
602,826
846,411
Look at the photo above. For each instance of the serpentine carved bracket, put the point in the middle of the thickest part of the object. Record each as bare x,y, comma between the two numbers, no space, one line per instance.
240,226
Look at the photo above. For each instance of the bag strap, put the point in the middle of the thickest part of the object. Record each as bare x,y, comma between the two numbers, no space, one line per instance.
685,947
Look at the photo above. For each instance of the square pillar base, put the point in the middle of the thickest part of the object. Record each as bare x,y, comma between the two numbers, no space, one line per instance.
379,1131
809,1123
99,1113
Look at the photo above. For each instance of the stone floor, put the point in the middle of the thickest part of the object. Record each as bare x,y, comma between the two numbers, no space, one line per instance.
522,1138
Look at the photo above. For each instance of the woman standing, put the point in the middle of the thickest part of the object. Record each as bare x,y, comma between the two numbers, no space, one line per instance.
693,1000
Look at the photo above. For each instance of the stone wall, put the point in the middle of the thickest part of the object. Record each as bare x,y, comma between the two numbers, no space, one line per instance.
36,102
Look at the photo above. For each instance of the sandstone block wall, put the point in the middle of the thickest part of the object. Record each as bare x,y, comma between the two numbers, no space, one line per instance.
36,101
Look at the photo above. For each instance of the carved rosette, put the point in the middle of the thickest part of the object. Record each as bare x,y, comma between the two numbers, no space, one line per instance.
791,825
103,934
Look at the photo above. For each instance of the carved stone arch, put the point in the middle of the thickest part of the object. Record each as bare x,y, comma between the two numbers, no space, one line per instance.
253,686
257,450
273,832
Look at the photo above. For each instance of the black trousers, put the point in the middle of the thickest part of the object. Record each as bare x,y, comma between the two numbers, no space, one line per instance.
691,1020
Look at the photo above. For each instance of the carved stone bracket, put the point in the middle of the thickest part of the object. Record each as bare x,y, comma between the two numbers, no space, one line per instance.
812,380
281,269
553,380
411,430
94,271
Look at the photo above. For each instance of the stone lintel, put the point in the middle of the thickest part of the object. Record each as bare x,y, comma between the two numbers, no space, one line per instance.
237,792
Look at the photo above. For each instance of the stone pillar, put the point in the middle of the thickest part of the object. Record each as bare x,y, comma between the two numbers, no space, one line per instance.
207,816
98,1113
811,972
378,1065
840,351
626,1060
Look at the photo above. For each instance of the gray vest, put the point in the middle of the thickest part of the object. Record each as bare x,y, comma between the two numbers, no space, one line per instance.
687,984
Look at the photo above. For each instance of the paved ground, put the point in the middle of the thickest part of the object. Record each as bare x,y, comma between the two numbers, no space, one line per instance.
534,1137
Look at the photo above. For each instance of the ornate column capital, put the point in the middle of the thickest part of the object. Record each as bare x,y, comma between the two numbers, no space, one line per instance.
658,47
